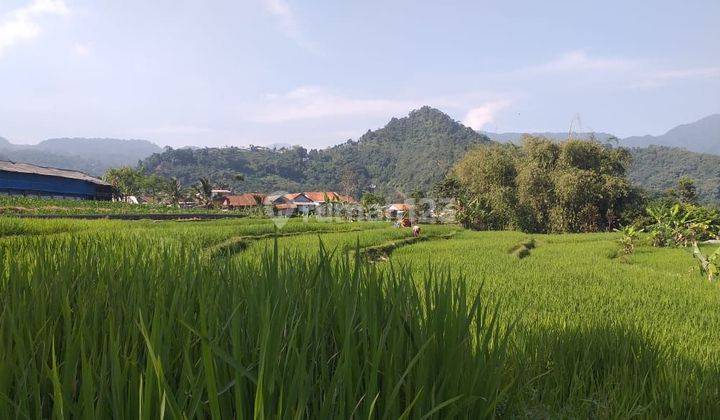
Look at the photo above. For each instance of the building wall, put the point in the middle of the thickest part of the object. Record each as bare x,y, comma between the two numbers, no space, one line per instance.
49,186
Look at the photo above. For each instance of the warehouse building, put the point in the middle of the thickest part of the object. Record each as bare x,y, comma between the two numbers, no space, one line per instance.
39,181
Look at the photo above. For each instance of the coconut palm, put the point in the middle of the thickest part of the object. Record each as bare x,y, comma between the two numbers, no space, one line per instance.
203,191
175,191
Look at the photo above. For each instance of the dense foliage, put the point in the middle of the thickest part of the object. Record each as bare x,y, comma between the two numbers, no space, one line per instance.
545,186
680,224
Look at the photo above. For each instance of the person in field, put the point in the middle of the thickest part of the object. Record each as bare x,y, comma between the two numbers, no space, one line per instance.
416,231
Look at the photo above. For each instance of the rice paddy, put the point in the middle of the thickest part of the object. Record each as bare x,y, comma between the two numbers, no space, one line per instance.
240,319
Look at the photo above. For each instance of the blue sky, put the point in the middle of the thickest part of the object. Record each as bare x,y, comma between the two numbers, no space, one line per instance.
222,72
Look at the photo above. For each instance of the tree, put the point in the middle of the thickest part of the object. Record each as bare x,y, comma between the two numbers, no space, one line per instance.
127,180
369,199
449,188
421,203
131,181
203,191
175,191
544,186
687,190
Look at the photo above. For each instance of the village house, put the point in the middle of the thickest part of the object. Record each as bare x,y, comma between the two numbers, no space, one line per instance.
303,203
285,204
242,201
398,210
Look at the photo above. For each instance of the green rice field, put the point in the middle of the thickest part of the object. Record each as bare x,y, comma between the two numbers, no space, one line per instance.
237,319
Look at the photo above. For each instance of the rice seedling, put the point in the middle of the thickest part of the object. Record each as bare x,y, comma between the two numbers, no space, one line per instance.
123,319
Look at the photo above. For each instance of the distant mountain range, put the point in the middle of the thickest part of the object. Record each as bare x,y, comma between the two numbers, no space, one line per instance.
93,156
702,136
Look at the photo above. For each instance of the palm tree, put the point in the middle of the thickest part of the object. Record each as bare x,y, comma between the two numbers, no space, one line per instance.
204,192
175,191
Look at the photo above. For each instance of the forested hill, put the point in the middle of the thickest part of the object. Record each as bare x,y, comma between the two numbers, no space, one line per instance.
407,154
658,168
93,156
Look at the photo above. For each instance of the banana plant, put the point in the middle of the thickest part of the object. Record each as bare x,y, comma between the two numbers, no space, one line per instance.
629,239
681,225
709,265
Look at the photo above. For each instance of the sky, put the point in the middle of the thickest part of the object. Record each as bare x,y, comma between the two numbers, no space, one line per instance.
316,73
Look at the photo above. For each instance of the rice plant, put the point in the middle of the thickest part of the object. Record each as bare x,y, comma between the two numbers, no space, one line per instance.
102,326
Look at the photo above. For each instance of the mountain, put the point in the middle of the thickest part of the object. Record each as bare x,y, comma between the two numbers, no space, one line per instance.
407,154
93,156
658,168
559,136
702,136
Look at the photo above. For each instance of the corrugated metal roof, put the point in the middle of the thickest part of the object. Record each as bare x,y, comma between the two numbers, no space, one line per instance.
26,168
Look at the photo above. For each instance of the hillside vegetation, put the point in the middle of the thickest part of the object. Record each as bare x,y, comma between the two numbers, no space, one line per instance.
407,154
658,168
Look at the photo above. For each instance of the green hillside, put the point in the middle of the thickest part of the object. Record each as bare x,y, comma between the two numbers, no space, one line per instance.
409,153
658,168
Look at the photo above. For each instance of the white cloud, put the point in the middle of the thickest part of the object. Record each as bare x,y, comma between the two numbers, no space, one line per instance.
21,24
81,49
281,10
478,117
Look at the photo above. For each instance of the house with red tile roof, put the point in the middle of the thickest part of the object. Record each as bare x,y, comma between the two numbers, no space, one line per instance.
242,201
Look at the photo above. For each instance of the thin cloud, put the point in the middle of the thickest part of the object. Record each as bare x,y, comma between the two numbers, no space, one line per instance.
664,77
288,23
576,62
315,103
630,73
21,24
311,102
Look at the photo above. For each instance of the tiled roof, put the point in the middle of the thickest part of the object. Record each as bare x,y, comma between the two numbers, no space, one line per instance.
400,207
243,200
